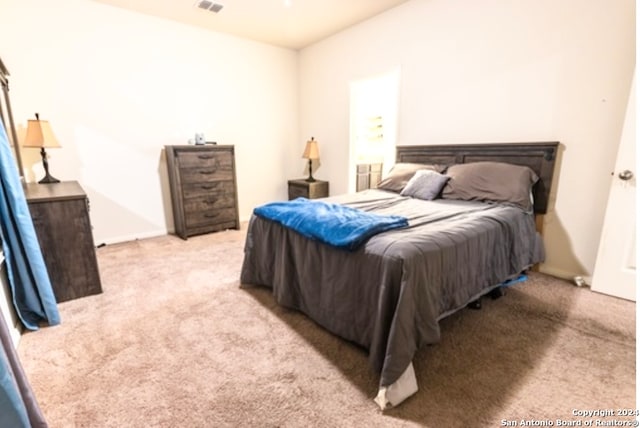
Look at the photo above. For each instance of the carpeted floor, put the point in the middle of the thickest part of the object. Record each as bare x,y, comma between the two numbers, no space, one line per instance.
173,341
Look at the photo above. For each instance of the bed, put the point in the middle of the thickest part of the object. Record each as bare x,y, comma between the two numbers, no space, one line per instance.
389,294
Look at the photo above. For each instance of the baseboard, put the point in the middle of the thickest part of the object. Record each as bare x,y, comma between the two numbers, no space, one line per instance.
154,234
128,238
16,333
563,274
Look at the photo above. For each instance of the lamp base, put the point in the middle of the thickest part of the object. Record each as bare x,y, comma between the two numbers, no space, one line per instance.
310,179
48,179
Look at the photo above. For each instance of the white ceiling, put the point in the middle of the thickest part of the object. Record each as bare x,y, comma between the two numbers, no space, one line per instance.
291,24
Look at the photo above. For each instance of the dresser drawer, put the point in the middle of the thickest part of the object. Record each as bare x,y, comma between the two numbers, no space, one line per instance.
190,190
208,202
209,217
205,174
205,159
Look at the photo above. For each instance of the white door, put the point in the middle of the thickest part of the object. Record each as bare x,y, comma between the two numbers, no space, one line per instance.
6,307
615,270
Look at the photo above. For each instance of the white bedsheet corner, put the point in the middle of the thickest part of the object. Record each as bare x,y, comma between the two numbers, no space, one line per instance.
394,394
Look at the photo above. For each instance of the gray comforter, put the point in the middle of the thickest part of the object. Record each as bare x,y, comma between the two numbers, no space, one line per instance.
389,295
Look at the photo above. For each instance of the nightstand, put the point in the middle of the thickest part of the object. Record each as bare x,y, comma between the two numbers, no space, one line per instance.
60,214
310,190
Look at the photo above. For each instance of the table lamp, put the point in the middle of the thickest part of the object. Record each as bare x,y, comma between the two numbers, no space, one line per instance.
39,134
311,152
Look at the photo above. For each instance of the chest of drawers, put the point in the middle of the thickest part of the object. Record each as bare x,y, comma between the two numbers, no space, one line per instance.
203,188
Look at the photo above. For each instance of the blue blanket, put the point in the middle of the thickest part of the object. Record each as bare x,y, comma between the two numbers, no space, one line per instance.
338,225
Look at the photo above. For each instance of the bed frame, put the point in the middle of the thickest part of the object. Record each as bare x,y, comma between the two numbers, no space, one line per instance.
540,157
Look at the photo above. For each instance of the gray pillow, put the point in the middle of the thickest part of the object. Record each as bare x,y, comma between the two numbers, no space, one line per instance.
491,182
401,173
425,184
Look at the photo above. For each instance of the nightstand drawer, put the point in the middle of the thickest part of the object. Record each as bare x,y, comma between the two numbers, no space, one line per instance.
311,190
298,192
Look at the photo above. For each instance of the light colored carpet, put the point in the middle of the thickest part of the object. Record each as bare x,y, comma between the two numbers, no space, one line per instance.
175,342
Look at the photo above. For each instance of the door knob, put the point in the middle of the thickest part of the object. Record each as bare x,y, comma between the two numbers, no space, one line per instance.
625,175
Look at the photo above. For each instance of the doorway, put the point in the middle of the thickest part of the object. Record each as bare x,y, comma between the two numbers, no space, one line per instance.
373,126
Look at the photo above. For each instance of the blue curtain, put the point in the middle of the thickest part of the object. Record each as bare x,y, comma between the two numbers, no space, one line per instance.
28,277
31,292
18,405
13,412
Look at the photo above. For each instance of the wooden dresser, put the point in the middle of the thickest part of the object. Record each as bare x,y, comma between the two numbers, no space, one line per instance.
60,213
203,188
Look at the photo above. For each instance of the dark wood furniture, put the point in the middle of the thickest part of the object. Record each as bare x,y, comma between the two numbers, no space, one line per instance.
308,189
368,175
203,188
60,213
540,157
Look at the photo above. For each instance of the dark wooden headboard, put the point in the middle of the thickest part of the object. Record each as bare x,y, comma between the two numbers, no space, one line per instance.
540,157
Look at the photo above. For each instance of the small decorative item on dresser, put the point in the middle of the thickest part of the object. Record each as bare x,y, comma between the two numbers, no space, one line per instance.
203,188
306,189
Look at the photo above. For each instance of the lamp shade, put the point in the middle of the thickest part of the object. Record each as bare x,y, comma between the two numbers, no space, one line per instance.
39,134
311,150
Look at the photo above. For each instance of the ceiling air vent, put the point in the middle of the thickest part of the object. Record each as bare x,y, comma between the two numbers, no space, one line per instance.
209,5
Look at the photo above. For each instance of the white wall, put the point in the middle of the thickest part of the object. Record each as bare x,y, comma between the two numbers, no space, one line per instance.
117,86
492,71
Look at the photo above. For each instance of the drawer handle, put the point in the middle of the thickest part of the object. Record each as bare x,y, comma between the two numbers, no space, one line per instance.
205,156
211,215
208,187
211,201
208,172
